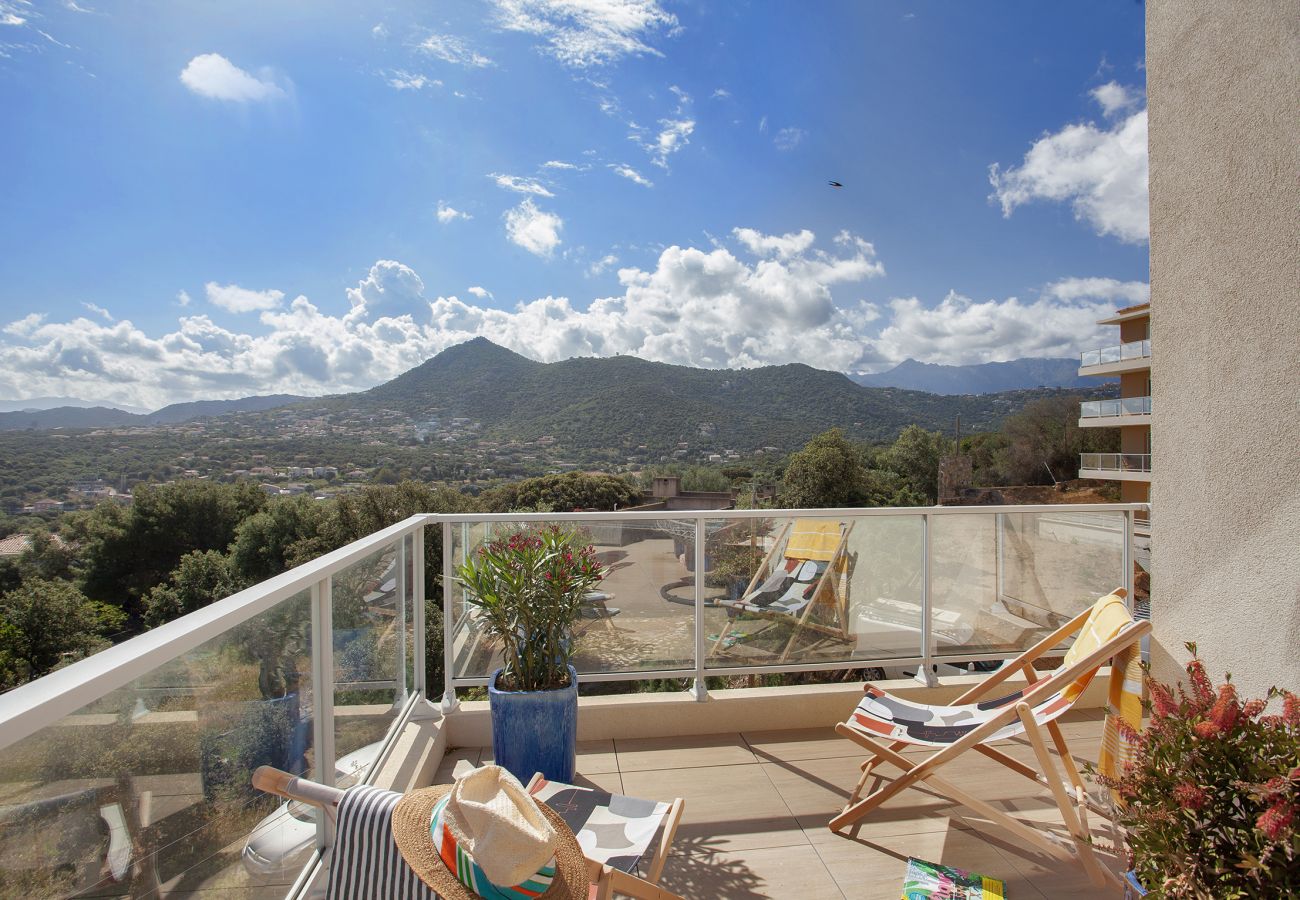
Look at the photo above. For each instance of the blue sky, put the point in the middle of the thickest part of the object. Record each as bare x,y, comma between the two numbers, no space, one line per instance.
208,199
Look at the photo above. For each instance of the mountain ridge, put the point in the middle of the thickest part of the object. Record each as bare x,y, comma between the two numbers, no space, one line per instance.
983,378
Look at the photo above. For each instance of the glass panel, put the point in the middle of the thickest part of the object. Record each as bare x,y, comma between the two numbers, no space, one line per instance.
368,687
1055,565
963,580
812,590
147,790
640,618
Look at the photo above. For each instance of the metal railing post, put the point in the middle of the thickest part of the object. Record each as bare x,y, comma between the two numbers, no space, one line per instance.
322,681
1128,559
926,673
418,589
403,560
1000,547
449,702
699,687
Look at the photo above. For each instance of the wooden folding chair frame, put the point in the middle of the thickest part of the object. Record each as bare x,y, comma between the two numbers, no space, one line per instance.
1074,809
824,594
605,880
672,819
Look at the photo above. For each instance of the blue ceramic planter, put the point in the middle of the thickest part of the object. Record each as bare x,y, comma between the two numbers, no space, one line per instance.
535,731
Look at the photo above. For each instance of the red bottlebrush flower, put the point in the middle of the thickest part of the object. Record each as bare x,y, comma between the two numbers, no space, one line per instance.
1275,820
1291,708
1274,788
1253,708
1225,710
1202,690
1162,702
1190,796
1207,730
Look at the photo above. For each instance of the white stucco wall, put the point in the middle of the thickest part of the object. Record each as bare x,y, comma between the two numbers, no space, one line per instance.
1223,82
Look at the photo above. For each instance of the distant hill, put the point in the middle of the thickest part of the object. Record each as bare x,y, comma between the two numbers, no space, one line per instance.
76,417
987,378
623,402
54,402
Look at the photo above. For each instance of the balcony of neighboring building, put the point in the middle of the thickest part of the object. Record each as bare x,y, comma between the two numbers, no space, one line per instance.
1115,466
1132,356
134,764
1116,412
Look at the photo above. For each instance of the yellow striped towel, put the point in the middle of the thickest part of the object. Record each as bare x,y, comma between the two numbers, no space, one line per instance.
1125,703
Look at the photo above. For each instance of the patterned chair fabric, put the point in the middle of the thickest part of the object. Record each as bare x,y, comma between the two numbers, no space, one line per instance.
612,829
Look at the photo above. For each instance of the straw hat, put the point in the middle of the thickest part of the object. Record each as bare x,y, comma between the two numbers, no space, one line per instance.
485,836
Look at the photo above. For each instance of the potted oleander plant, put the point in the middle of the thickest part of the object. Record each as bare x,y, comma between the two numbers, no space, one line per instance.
529,587
1210,804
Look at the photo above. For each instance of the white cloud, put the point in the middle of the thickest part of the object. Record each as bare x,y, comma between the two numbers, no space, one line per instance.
674,134
789,138
452,49
450,213
769,301
212,75
379,31
536,231
1115,98
1113,291
558,164
406,81
235,299
631,174
521,185
585,33
98,310
183,298
1102,172
720,94
762,125
602,265
14,12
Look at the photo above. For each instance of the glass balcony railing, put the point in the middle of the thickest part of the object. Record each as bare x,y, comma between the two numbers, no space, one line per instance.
1123,406
128,772
1116,462
1120,353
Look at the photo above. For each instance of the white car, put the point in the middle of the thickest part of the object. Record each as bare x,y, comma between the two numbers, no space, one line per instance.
284,839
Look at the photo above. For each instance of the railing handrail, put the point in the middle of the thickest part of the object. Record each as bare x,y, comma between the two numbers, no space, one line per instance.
43,701
838,512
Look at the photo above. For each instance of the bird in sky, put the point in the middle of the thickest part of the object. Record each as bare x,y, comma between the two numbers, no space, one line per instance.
835,184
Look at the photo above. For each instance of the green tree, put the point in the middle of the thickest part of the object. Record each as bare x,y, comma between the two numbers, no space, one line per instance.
915,456
10,667
272,541
828,472
51,621
562,493
1046,433
201,578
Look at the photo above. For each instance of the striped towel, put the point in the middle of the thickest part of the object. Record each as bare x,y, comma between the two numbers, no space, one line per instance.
1125,701
366,863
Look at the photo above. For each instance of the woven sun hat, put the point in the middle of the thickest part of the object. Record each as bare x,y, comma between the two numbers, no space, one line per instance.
485,837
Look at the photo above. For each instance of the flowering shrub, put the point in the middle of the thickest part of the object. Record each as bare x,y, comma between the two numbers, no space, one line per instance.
530,586
1211,802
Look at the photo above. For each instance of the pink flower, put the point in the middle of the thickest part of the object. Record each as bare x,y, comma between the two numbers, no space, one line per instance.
1275,820
1190,796
1291,708
1202,690
1162,702
1225,711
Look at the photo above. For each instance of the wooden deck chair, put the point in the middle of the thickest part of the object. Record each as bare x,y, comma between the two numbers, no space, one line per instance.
884,724
804,571
605,879
615,831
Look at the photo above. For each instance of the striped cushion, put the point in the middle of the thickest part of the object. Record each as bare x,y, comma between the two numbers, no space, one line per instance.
365,863
881,713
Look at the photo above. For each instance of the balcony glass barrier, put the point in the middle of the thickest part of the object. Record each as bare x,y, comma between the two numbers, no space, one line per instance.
1123,406
1118,353
1116,462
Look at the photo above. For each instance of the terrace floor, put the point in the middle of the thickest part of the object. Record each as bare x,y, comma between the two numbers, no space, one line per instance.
757,804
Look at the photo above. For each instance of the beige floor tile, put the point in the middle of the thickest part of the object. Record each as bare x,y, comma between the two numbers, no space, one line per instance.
639,754
727,807
793,872
804,743
461,756
597,757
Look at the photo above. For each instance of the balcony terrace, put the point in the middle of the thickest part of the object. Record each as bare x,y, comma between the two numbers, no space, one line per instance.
130,769
1133,356
1115,466
1113,413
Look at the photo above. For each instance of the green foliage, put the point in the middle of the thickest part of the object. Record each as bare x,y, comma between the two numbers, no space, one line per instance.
201,578
11,669
828,472
1047,433
562,493
529,587
51,621
274,540
1211,802
126,552
915,457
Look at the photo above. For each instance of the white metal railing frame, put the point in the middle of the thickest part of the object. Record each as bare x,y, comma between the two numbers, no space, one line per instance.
1116,462
1105,356
1118,406
700,669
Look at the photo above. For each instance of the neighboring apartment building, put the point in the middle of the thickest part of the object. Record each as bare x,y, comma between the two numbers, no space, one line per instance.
1131,412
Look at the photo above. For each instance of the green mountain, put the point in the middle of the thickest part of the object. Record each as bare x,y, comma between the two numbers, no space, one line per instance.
625,402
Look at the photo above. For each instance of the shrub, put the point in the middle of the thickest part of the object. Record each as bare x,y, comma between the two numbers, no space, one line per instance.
1210,802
